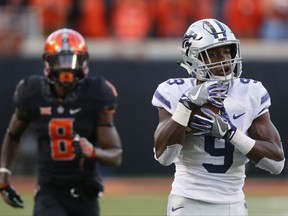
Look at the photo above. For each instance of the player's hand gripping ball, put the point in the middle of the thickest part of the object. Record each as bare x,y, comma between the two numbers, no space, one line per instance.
197,111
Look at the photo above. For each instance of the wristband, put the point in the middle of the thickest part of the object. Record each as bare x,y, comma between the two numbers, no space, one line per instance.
242,142
93,153
169,154
181,115
5,170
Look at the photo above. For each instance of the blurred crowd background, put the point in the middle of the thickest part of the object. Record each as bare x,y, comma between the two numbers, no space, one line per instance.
137,20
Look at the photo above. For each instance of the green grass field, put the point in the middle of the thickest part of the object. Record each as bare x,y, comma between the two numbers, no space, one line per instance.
130,198
154,205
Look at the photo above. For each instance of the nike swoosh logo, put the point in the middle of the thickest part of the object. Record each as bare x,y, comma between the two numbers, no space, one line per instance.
222,133
177,208
194,97
238,116
74,111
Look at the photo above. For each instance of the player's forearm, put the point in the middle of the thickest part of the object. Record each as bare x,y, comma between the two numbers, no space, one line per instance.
109,157
9,152
167,134
267,156
266,149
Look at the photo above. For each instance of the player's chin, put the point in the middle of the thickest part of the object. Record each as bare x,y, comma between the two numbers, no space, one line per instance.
224,73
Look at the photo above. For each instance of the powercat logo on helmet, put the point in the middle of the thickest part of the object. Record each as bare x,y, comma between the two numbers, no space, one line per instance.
188,38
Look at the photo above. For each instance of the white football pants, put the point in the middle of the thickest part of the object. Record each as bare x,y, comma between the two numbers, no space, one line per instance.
181,206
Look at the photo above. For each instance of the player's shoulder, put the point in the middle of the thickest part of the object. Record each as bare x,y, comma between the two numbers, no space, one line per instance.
99,92
243,85
31,81
251,90
247,81
177,84
169,92
28,87
98,85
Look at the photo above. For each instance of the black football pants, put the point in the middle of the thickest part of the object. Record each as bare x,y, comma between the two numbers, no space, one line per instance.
64,201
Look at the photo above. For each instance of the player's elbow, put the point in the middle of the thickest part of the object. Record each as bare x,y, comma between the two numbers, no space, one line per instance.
168,156
118,158
272,166
164,162
278,169
113,158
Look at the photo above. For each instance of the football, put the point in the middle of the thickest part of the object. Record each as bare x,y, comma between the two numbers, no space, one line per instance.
199,112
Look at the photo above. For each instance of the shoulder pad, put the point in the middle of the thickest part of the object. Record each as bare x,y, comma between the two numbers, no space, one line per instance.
26,89
102,91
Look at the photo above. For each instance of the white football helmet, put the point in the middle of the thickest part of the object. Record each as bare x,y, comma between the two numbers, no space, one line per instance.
202,36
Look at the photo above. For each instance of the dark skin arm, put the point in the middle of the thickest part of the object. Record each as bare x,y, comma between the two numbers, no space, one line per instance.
110,151
168,132
268,143
11,144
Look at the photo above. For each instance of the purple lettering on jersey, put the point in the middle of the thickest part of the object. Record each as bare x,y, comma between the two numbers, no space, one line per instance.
162,99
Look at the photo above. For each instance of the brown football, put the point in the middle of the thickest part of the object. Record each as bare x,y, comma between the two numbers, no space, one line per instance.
199,112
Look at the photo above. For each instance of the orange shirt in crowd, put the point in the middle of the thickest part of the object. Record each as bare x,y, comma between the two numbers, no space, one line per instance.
244,17
172,17
132,19
92,19
53,13
202,9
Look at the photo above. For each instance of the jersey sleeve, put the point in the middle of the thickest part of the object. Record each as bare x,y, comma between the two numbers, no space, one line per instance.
19,95
108,95
264,100
249,95
25,91
169,92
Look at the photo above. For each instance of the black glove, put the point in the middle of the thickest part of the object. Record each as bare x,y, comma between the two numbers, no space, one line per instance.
77,148
11,197
83,148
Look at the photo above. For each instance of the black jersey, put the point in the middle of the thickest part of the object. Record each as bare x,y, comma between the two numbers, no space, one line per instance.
57,120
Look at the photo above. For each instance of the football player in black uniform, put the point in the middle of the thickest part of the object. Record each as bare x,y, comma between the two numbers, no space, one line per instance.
73,118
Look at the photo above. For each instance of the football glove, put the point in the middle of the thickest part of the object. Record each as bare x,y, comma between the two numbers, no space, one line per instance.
217,125
11,197
77,148
211,92
83,148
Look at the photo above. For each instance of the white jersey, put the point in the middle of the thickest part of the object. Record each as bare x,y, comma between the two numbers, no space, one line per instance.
207,168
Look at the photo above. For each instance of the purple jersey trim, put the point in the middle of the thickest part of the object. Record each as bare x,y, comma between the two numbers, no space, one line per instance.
265,98
162,99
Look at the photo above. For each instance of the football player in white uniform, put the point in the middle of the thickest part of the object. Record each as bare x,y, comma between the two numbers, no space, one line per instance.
210,151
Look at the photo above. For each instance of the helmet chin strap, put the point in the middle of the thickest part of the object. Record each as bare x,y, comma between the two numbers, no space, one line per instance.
185,67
